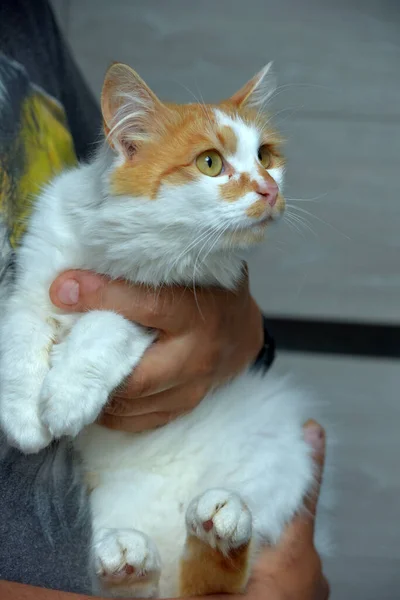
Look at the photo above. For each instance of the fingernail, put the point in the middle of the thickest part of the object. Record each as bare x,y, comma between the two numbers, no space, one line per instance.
69,292
314,435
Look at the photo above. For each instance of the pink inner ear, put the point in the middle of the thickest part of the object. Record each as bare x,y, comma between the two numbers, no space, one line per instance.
240,96
129,149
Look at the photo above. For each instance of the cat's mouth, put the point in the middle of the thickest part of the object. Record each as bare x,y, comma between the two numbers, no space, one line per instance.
264,221
259,224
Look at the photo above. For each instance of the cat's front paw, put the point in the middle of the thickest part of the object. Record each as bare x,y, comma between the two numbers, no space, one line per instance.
220,518
68,403
127,563
24,430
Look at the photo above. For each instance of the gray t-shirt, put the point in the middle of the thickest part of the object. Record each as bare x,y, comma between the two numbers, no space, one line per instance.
48,119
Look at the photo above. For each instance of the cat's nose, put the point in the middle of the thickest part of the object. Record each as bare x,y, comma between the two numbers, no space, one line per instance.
269,191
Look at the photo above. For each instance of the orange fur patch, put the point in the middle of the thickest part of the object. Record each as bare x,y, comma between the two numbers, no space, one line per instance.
228,139
257,209
236,188
247,236
205,570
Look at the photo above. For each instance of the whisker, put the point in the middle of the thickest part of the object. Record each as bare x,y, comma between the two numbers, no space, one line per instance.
301,222
280,89
206,108
293,225
216,241
209,237
294,111
187,249
308,199
190,247
201,102
320,220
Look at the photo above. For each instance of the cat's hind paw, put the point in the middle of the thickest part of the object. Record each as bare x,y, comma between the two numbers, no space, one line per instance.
221,519
127,563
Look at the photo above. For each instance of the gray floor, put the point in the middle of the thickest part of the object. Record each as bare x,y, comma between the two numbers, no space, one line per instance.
338,104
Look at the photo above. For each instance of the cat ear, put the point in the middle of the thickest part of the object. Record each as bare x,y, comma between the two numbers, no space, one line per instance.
129,109
257,91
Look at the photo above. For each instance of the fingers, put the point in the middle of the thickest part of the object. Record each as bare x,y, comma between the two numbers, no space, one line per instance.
163,308
175,400
137,424
148,413
324,590
155,411
314,435
299,533
160,369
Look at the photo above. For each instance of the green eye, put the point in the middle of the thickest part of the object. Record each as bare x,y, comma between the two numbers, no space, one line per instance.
209,163
264,156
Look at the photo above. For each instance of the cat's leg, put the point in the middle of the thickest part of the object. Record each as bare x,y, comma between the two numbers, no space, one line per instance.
26,338
96,356
124,561
217,551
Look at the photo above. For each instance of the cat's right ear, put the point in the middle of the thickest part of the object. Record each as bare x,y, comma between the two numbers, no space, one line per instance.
129,109
256,92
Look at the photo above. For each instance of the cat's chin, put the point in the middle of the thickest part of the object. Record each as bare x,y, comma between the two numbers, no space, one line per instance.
245,238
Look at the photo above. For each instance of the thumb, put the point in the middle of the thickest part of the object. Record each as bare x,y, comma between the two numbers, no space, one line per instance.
300,531
77,291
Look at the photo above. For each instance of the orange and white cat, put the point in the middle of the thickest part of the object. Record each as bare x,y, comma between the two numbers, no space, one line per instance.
174,195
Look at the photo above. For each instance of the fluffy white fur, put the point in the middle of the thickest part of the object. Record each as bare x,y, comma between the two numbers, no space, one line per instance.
243,441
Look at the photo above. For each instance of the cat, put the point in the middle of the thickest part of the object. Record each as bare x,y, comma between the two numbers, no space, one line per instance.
175,194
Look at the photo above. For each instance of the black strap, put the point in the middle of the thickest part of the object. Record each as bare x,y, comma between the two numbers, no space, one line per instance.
266,356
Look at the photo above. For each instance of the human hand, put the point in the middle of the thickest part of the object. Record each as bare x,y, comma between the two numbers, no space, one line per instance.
292,570
205,338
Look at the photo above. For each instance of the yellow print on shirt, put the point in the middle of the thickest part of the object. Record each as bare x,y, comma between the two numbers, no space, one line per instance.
41,148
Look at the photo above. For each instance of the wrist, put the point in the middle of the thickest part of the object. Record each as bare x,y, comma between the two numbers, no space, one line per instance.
266,355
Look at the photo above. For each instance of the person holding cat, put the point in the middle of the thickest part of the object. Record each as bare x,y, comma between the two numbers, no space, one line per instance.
197,349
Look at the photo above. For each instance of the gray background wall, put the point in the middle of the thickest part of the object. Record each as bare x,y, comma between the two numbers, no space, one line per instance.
338,68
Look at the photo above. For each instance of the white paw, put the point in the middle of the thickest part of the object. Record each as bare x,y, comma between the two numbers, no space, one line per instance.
220,518
125,559
24,430
68,403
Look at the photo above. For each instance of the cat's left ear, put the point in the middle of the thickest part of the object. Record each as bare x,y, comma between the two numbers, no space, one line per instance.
130,109
256,92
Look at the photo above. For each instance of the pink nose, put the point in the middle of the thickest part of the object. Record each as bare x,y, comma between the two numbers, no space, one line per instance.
269,190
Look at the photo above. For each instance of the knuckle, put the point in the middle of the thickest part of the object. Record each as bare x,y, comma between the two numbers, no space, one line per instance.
208,362
138,384
116,407
151,309
158,302
198,392
326,589
217,324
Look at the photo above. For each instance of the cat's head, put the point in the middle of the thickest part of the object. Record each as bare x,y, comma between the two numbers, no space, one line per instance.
195,168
